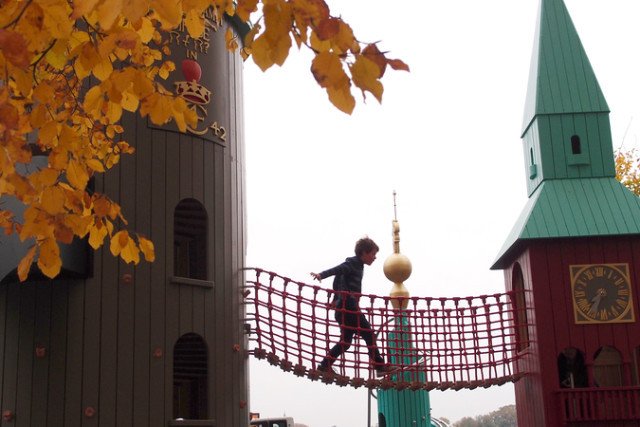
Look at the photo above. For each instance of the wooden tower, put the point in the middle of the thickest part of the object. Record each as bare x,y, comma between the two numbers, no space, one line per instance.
160,344
574,253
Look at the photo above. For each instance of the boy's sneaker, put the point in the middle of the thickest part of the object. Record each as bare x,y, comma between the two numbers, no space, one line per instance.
326,370
384,369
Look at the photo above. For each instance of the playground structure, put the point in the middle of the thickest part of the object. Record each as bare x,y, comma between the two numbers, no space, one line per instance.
108,344
456,342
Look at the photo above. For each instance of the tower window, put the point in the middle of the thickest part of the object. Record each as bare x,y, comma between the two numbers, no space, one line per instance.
576,147
190,240
521,318
607,367
190,373
571,368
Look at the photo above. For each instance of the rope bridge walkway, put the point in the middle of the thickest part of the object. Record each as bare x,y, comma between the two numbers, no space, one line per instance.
433,343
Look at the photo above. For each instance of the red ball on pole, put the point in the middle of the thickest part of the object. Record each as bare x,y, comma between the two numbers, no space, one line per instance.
191,70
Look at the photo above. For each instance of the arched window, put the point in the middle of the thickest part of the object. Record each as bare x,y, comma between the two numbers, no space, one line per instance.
520,316
576,146
572,371
190,240
607,367
190,373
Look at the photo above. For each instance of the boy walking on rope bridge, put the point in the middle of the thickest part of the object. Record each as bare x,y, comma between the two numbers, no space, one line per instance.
348,287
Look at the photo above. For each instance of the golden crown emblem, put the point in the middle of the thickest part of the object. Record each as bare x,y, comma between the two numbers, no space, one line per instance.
193,92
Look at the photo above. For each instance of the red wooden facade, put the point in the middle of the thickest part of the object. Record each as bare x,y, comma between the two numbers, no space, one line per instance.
541,399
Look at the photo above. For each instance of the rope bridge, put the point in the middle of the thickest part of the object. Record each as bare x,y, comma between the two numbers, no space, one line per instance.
433,343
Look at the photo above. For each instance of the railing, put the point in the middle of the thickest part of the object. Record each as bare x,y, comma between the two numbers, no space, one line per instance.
435,343
600,404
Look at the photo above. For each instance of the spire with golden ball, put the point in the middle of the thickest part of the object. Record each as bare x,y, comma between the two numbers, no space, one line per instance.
397,267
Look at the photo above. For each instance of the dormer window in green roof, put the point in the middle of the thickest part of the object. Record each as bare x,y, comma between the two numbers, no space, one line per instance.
578,156
533,170
575,145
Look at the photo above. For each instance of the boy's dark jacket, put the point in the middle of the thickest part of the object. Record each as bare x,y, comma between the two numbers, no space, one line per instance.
347,281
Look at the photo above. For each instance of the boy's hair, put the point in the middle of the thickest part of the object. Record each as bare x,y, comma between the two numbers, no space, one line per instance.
365,245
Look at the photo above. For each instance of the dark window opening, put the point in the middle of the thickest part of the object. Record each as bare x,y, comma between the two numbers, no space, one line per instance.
190,240
576,148
521,317
531,156
571,369
190,373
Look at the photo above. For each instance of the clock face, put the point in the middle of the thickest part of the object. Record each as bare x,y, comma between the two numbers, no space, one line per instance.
601,293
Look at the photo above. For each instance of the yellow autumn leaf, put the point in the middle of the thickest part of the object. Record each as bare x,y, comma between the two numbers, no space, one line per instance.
147,248
342,98
77,174
365,75
93,101
118,241
130,252
79,224
45,177
168,14
114,112
52,200
129,102
56,18
327,69
25,264
95,165
97,233
108,13
48,134
49,260
103,69
135,10
245,8
24,81
146,29
57,56
194,21
83,7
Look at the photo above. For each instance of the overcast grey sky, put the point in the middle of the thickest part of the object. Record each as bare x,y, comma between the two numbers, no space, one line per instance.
446,138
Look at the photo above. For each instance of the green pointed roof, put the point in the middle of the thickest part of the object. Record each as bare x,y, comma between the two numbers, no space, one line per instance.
574,208
561,79
572,194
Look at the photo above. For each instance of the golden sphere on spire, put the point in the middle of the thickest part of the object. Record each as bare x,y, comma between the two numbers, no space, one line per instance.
397,268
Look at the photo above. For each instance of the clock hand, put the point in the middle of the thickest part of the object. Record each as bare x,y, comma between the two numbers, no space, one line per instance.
596,301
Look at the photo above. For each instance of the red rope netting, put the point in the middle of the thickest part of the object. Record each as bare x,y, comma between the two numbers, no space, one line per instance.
434,343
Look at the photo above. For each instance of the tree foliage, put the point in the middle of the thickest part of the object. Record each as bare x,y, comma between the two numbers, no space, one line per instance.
70,69
628,169
503,417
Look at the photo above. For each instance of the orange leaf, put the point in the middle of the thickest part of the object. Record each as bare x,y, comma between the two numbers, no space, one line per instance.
397,64
245,8
130,252
327,69
52,200
118,241
25,264
372,53
97,233
77,174
49,260
342,98
328,28
147,248
14,48
366,74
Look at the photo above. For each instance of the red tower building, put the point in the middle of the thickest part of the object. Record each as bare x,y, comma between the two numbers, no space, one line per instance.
575,250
